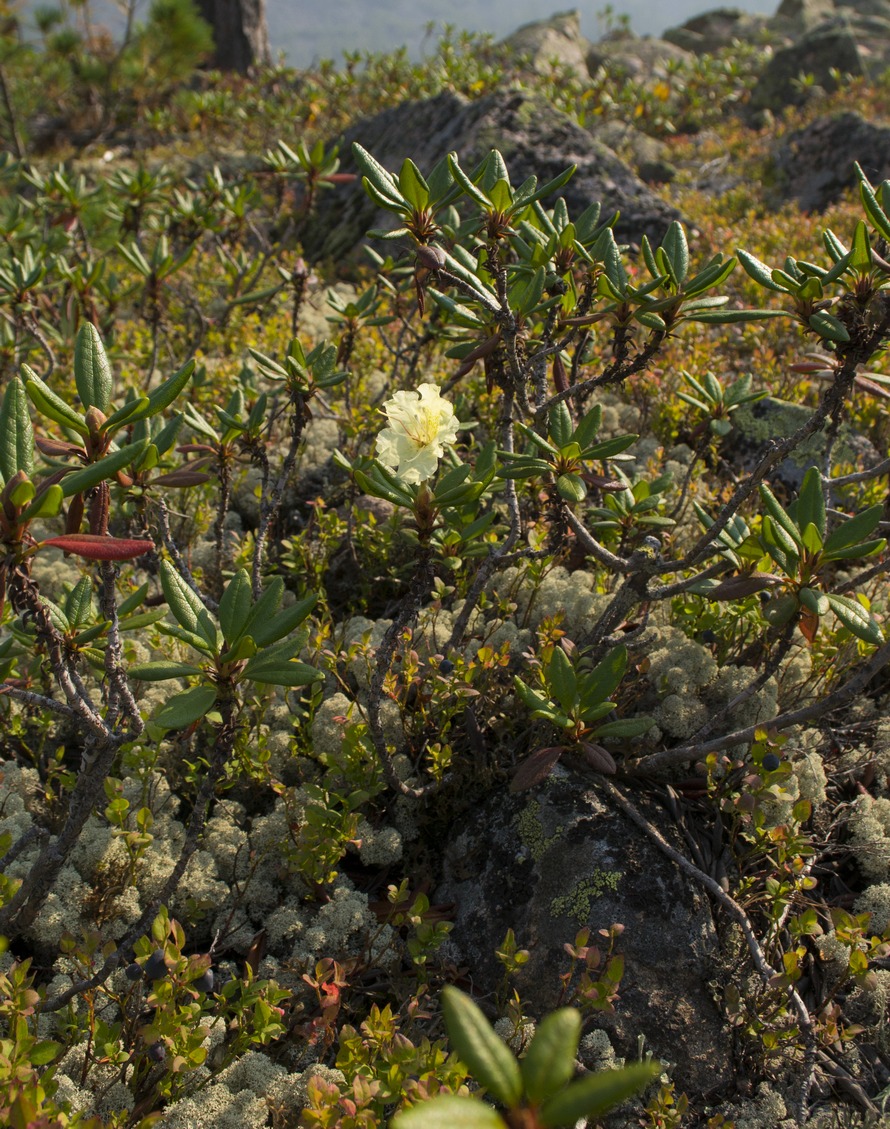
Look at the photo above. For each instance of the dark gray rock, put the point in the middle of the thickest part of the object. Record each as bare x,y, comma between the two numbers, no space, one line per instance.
796,17
535,139
647,156
847,44
816,163
714,30
548,862
757,425
639,56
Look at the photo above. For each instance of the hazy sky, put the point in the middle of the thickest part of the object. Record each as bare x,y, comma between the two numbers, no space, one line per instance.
306,29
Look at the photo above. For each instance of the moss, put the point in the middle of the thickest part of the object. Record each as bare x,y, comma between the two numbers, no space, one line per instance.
576,904
531,831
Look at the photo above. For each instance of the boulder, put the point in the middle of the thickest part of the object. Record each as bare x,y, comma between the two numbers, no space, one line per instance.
555,41
535,139
549,862
638,56
880,8
647,156
815,163
796,17
847,44
712,31
757,425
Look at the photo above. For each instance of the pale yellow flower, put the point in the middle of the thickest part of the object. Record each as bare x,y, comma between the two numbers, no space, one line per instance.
421,425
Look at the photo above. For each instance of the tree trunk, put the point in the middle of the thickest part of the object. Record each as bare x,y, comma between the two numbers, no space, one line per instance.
239,32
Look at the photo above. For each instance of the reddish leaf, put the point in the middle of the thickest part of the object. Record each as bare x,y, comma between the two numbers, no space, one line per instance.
808,624
181,477
56,447
535,768
736,587
97,548
598,758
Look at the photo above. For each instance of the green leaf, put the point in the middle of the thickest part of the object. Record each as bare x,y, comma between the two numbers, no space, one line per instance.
79,602
571,488
610,447
560,424
549,1062
185,605
234,607
133,601
44,1052
735,317
46,504
466,185
873,209
562,681
382,181
284,623
160,670
626,727
51,405
781,518
780,546
856,619
676,249
861,257
280,672
449,1112
16,432
186,708
759,271
587,429
92,372
537,703
853,552
147,406
414,188
854,530
82,480
828,327
811,502
487,1057
814,601
599,684
596,1094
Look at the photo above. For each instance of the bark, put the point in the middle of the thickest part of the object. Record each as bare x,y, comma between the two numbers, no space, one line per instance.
239,32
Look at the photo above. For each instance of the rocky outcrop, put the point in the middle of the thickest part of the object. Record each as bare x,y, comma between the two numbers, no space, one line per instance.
535,140
549,862
555,41
712,31
639,56
758,425
815,182
848,43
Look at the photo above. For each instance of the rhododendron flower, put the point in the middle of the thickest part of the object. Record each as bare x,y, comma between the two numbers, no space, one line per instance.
421,425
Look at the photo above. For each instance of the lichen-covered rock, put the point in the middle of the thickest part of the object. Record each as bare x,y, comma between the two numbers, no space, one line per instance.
555,40
535,139
640,56
716,29
548,863
814,182
830,49
758,424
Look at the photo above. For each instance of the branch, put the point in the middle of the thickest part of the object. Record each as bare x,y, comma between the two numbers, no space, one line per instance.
833,701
